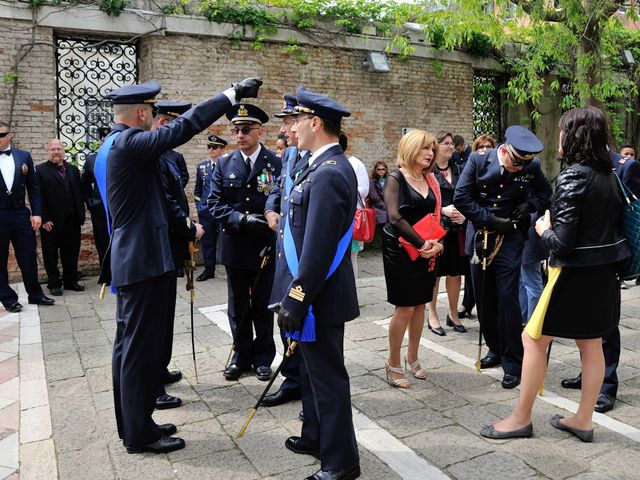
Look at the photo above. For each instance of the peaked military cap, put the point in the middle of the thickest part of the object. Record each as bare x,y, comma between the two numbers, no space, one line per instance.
173,109
243,113
289,107
134,94
320,105
522,143
216,140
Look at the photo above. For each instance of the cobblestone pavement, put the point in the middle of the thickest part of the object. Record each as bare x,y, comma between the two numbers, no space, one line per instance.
428,431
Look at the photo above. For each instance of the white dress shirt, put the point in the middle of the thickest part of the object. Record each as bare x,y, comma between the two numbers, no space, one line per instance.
8,169
252,158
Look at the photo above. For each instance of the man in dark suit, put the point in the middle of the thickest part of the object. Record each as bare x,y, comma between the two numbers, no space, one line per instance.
239,188
204,173
461,153
62,218
17,223
141,262
93,201
319,207
497,191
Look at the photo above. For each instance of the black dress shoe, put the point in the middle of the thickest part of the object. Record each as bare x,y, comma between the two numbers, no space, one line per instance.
172,377
233,372
438,331
604,403
464,313
263,373
296,445
457,327
167,429
75,286
510,381
572,383
43,301
56,292
350,473
205,276
166,401
164,445
281,397
15,307
489,361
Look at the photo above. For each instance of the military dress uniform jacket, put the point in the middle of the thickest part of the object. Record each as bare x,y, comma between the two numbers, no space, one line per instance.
90,191
320,210
483,192
628,170
52,190
139,247
236,191
204,174
24,179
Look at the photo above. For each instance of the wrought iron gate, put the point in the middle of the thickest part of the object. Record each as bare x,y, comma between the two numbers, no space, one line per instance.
87,69
487,105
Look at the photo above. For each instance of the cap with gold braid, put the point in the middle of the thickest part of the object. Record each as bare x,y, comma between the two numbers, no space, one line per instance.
522,144
134,94
245,113
171,108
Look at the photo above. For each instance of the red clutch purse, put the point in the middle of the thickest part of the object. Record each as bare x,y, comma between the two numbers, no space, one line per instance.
428,228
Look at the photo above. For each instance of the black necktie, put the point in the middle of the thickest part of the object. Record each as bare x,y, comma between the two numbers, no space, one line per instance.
248,163
6,152
302,164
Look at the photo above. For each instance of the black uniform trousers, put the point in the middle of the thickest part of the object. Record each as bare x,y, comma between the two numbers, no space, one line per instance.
100,231
167,351
15,227
208,243
65,239
499,305
249,351
326,399
141,330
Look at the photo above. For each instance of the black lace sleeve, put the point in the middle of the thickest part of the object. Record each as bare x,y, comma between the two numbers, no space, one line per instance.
392,199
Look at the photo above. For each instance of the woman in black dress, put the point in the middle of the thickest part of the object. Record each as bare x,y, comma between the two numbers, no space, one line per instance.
452,263
410,193
583,232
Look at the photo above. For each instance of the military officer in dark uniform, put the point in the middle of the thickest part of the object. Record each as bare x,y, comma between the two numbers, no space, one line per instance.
204,173
17,223
290,388
128,165
497,191
239,189
181,231
319,207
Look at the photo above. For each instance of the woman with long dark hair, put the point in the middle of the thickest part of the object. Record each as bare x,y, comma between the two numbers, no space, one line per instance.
583,234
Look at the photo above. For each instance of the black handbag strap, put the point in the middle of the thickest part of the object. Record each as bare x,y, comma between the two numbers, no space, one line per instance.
626,193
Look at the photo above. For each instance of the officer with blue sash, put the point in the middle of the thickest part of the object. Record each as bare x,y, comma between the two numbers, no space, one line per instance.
293,162
141,264
498,190
318,294
204,173
240,186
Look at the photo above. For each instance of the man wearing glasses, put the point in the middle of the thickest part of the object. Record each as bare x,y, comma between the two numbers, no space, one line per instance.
204,173
17,223
497,191
240,186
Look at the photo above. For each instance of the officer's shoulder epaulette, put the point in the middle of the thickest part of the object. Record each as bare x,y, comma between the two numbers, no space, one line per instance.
329,162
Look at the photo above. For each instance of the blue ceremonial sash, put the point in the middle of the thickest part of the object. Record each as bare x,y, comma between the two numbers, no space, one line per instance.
308,333
100,172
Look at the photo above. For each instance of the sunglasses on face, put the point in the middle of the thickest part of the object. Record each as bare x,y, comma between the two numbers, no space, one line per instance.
4,134
244,130
213,147
484,146
381,169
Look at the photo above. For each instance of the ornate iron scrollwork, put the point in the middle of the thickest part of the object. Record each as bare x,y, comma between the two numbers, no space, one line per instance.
487,105
87,69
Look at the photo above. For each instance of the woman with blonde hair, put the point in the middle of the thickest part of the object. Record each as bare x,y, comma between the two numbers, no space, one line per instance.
410,193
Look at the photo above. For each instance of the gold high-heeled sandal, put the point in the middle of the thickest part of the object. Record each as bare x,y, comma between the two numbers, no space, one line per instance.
396,382
415,369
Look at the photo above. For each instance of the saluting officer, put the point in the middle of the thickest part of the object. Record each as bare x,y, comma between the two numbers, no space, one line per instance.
498,189
204,173
319,207
293,162
140,252
239,189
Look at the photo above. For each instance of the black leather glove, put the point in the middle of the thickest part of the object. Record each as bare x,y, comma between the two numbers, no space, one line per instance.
289,322
521,212
247,88
255,223
502,225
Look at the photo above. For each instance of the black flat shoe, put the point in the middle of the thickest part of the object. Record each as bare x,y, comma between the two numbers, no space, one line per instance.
296,445
457,327
56,292
164,445
464,313
489,361
281,397
167,429
510,381
438,330
15,307
172,377
263,373
76,287
43,301
233,372
166,401
490,432
584,435
205,276
604,403
572,383
350,473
